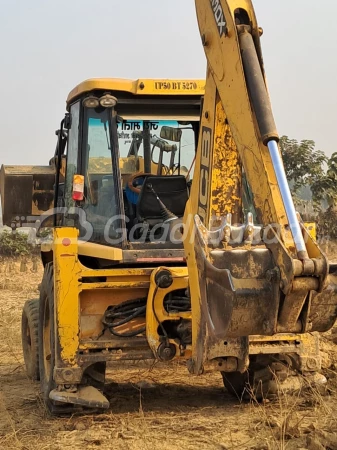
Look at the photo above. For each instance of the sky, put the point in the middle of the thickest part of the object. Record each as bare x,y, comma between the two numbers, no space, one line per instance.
47,48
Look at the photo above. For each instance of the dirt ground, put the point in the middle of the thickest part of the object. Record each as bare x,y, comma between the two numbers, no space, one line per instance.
154,408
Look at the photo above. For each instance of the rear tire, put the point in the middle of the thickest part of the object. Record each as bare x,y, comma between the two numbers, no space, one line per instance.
253,384
237,384
47,335
30,338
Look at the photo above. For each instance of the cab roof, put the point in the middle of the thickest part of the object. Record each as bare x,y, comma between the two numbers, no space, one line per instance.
139,87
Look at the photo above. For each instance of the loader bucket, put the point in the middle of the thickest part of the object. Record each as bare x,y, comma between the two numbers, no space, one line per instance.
26,193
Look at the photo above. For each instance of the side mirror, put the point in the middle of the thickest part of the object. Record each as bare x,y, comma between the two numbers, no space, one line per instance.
171,134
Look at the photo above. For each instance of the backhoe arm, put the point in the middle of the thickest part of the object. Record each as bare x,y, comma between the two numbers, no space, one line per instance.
245,279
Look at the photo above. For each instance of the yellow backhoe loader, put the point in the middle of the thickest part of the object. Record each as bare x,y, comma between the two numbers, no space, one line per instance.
174,232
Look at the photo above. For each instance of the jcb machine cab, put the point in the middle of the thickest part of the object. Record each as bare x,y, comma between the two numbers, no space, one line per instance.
175,235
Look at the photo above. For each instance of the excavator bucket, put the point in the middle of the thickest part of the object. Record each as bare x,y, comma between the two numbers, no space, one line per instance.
26,193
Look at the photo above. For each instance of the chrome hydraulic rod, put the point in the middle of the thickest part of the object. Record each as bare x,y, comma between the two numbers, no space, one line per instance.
287,200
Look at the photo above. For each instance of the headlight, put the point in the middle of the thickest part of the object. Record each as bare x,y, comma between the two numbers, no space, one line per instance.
108,101
91,102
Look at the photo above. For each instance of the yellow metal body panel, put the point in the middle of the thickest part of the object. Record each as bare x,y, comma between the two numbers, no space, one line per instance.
312,229
226,180
100,251
155,312
303,347
66,273
198,203
139,87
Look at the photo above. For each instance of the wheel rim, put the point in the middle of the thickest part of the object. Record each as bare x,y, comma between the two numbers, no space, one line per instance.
46,341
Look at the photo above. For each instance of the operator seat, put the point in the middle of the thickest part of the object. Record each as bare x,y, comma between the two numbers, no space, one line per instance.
172,191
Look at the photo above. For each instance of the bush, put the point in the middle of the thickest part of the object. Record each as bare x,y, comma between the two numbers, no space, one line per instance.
14,244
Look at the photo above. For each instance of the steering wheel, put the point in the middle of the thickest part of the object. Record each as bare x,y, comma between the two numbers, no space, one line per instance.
131,183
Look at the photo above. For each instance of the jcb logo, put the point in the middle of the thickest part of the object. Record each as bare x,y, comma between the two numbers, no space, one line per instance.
206,147
219,16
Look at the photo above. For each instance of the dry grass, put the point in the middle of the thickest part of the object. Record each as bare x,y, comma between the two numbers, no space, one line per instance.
290,421
156,407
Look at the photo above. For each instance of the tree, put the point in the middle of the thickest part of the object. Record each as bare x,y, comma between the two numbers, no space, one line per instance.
327,224
325,187
308,168
304,165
